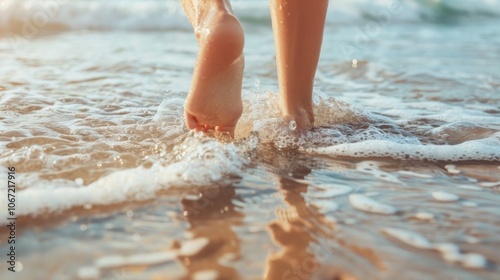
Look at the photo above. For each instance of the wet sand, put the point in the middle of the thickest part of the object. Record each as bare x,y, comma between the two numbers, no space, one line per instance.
281,228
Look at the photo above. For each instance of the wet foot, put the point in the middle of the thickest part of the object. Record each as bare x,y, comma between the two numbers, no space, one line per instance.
214,101
299,115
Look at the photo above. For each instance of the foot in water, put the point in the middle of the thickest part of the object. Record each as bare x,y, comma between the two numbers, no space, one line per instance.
214,101
299,117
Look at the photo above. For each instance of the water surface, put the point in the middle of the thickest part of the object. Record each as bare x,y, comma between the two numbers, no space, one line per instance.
399,179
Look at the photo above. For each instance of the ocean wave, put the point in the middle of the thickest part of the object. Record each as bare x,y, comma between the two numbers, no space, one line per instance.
201,161
34,17
342,129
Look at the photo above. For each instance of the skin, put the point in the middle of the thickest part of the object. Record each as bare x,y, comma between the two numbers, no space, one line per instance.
214,100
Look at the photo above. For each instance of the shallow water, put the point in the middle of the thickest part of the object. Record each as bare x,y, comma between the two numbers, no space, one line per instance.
400,179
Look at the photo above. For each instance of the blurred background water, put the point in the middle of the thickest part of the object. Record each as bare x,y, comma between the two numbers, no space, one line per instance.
398,180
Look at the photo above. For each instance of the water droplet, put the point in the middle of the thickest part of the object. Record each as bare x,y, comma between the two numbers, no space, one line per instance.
354,63
292,125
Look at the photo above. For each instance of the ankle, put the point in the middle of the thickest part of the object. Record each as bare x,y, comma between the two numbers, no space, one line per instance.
302,115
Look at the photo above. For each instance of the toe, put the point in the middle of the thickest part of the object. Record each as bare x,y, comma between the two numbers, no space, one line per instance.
191,121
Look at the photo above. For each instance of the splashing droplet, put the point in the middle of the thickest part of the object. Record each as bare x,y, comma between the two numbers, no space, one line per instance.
292,125
354,63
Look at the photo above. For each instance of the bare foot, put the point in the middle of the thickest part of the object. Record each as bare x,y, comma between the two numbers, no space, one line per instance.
214,100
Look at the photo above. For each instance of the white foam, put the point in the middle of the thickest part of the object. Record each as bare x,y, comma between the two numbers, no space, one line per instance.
470,150
367,204
445,196
137,184
343,129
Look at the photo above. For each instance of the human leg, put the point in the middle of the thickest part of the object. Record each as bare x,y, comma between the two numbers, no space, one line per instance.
214,100
298,33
